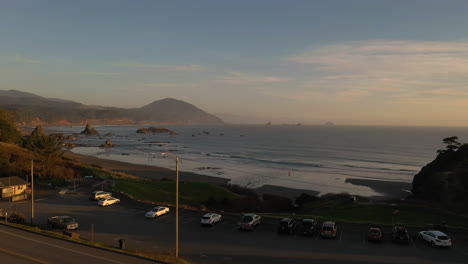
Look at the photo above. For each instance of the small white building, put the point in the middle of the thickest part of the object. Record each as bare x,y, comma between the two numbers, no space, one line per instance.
13,187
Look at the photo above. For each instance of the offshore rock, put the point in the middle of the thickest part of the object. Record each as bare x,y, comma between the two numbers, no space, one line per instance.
155,130
89,130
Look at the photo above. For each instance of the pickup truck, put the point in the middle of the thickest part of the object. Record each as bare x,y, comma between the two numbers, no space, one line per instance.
63,222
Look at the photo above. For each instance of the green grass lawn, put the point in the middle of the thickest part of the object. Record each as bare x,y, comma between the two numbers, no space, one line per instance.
382,213
342,210
190,193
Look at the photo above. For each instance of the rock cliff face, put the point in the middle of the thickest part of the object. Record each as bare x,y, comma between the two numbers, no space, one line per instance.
31,109
445,179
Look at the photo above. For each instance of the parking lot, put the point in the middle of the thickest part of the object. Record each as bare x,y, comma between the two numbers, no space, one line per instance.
224,243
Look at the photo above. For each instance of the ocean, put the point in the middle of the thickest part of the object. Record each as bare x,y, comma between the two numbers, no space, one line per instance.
318,158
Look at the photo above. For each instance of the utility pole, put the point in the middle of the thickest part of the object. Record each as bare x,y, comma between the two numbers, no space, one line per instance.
177,159
177,210
32,191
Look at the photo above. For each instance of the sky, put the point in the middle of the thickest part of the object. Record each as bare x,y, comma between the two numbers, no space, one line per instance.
360,62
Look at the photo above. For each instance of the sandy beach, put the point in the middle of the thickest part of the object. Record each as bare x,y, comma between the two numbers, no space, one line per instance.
386,188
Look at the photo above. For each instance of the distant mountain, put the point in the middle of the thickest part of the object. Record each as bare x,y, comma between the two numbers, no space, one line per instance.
32,109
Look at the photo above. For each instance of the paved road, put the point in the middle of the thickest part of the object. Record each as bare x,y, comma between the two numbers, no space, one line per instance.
225,244
17,247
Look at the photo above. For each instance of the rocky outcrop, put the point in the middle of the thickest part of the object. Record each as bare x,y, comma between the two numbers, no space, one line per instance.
445,179
38,132
89,130
155,130
108,144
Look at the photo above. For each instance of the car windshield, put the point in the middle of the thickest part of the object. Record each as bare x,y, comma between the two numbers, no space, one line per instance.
443,237
284,223
374,232
206,217
328,228
307,223
67,220
246,219
155,209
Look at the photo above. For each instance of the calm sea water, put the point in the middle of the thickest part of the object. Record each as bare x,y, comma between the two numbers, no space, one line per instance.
307,157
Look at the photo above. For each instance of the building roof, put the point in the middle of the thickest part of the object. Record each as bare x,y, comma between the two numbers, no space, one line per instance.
11,181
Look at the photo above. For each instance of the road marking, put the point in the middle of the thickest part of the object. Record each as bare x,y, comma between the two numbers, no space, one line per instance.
64,248
12,253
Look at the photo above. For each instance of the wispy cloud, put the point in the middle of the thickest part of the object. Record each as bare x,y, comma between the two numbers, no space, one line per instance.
404,70
163,67
170,85
241,78
95,73
22,59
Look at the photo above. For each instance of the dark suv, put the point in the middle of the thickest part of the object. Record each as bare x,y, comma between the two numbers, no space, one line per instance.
287,225
308,227
400,234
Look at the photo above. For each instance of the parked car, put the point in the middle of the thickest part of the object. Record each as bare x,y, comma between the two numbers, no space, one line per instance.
435,238
108,201
287,225
374,234
63,222
329,229
96,195
249,221
400,234
308,227
210,219
157,211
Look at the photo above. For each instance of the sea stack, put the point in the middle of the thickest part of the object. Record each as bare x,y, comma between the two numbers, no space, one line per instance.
89,130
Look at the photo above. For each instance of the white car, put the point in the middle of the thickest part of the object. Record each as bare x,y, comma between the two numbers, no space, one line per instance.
108,201
210,219
435,238
157,211
97,195
249,221
329,229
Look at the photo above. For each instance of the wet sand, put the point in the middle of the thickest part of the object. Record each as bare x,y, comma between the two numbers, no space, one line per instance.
386,188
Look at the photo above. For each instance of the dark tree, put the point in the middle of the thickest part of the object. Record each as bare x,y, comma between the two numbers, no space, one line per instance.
9,131
452,144
47,147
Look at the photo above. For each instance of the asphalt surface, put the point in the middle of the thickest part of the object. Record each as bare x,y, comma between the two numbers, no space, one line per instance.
18,246
224,243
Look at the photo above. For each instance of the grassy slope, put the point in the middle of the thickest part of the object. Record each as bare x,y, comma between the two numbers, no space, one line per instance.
191,193
410,214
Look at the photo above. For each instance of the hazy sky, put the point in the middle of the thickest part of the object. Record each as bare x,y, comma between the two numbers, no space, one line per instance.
350,62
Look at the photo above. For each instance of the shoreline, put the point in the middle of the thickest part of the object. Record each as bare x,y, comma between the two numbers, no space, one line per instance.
387,189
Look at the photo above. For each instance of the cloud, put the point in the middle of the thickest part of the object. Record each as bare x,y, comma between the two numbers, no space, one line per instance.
170,85
95,73
21,59
241,78
164,67
400,70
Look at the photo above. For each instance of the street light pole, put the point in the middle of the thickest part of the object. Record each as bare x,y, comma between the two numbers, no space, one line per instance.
177,159
32,191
